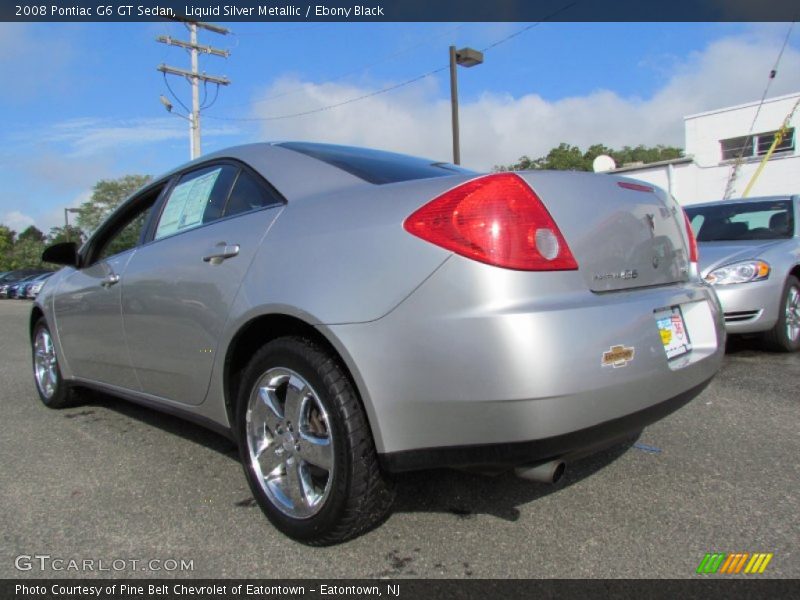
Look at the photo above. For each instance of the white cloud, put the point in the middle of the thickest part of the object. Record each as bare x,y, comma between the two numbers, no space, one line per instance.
88,136
16,221
498,128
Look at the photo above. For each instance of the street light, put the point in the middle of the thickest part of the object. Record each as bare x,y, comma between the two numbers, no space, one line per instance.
168,106
66,220
466,57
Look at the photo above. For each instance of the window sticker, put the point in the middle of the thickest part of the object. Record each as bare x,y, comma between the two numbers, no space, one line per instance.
186,204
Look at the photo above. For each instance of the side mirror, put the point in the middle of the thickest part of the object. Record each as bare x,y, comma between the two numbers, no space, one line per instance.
65,253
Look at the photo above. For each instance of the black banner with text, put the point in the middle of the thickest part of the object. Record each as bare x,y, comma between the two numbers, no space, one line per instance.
225,589
403,10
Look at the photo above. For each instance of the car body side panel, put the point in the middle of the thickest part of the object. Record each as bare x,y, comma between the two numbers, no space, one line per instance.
344,258
88,320
175,304
45,303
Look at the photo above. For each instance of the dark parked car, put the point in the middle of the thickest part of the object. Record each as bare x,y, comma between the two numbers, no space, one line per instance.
12,277
15,288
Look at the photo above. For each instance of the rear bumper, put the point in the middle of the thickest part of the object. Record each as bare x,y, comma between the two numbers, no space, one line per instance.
486,357
565,446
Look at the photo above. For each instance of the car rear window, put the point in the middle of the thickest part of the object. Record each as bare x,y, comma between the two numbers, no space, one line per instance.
765,220
375,166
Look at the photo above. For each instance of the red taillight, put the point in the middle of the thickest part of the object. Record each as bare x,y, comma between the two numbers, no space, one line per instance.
498,220
693,254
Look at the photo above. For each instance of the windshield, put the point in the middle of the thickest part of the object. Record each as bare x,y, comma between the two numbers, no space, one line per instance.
771,220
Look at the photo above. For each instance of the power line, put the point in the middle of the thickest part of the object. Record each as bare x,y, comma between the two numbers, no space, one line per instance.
351,72
734,173
397,85
338,104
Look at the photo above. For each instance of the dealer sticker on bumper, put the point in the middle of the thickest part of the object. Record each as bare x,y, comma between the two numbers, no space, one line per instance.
673,332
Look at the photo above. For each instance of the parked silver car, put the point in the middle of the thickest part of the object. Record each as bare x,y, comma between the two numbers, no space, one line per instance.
344,314
750,253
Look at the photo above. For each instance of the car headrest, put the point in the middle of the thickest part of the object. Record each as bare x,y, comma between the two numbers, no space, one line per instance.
779,222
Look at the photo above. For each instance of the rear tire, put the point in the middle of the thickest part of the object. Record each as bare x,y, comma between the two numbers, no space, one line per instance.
306,446
53,391
785,336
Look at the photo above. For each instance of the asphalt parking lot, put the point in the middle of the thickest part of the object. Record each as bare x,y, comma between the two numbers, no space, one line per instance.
110,480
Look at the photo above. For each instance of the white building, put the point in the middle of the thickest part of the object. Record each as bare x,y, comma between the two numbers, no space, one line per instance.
714,140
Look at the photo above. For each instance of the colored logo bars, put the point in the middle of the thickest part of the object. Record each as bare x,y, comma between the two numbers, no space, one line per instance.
733,563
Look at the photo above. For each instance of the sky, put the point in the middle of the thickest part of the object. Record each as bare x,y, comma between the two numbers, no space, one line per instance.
80,101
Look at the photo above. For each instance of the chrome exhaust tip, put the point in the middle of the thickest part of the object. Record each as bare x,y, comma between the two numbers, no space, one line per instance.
549,472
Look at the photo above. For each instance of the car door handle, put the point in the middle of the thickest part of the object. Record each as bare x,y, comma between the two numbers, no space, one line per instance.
110,280
221,251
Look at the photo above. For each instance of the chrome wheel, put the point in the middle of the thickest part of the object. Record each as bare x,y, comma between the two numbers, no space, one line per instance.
45,365
793,314
289,443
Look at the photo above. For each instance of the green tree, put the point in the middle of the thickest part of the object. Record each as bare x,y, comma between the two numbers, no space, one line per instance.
7,239
644,154
107,195
566,157
27,254
31,233
66,234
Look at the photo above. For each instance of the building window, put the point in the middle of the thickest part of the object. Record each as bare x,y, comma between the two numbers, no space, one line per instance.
750,146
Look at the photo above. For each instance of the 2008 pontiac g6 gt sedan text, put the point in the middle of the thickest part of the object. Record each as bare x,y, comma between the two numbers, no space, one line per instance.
344,314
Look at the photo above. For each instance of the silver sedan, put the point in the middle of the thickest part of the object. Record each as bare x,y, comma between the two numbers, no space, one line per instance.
344,314
750,253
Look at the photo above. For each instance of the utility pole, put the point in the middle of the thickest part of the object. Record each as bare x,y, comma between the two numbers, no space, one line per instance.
194,76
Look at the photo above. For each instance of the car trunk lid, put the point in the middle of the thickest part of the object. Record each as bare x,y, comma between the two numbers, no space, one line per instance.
624,234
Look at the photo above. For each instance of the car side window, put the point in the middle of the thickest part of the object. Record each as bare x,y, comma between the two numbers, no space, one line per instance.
198,198
126,237
122,231
249,194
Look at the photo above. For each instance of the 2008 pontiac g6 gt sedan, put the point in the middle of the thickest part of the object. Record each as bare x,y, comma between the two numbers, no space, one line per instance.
344,314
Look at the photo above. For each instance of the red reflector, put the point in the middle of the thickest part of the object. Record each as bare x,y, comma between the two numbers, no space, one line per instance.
497,219
693,253
637,187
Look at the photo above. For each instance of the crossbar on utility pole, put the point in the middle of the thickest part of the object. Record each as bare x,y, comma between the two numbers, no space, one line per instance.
171,41
209,26
189,74
194,76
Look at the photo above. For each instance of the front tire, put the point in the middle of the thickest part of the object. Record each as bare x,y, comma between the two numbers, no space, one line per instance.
306,446
785,336
53,391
